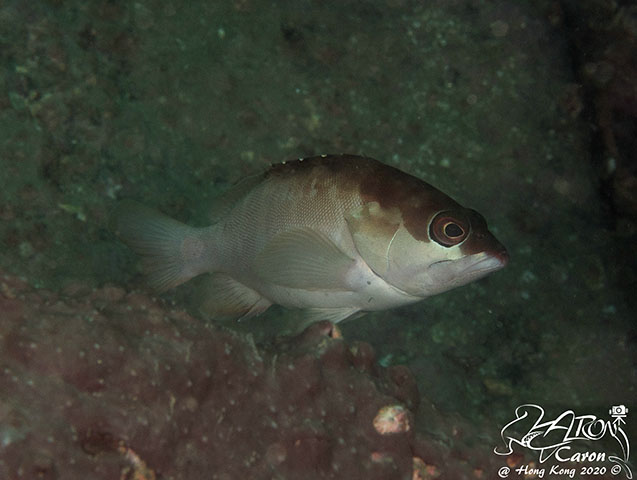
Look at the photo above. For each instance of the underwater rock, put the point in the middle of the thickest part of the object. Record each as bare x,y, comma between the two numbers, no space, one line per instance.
108,384
604,38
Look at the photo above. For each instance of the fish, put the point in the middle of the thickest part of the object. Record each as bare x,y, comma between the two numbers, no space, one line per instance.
334,235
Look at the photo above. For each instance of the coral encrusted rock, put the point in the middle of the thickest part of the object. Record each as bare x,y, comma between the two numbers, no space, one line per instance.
107,384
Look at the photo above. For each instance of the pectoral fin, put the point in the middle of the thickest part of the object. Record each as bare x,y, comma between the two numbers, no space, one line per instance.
303,258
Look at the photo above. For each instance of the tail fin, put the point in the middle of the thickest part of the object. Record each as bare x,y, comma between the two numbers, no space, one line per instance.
172,252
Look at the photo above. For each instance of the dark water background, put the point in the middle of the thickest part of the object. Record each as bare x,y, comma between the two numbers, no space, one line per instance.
170,102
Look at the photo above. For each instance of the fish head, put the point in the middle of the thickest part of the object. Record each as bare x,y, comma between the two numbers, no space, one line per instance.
460,250
425,243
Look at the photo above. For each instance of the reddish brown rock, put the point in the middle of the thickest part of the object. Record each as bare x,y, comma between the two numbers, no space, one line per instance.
116,385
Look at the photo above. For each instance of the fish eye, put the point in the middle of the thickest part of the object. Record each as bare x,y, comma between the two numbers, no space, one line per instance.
448,230
453,230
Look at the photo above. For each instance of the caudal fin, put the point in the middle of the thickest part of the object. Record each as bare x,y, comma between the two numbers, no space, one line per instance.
172,252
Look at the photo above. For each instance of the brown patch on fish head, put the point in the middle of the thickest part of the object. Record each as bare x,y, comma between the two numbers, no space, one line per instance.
417,201
372,181
424,211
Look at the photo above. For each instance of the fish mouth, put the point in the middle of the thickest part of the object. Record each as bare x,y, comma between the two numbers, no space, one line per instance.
490,263
469,268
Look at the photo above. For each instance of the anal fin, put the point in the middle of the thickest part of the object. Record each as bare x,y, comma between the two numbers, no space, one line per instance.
334,315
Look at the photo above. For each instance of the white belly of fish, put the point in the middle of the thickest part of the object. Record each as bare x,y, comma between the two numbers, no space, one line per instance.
367,292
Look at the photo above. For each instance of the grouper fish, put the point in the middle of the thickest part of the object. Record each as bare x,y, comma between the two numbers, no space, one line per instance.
335,235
